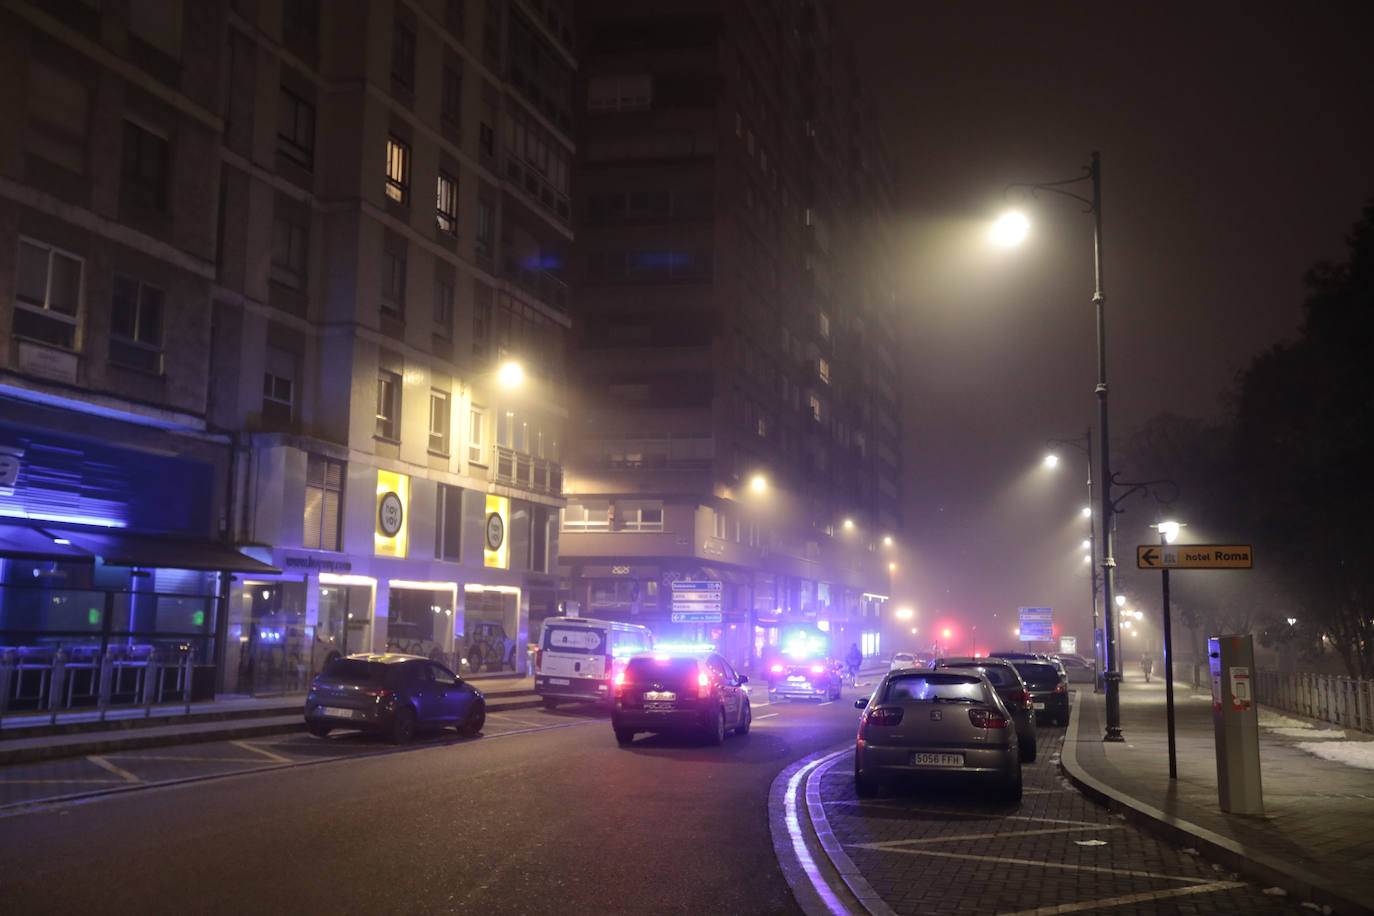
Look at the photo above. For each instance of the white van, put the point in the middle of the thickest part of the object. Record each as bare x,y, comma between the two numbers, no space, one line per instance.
577,657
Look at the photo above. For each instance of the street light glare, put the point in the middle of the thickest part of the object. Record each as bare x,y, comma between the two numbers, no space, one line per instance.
1087,544
1120,600
1169,530
510,375
1010,229
758,484
1087,511
1051,460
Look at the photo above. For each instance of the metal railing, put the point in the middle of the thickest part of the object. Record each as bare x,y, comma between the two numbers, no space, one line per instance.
80,678
1344,701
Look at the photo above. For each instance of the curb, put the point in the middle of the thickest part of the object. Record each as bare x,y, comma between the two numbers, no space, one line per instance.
1253,865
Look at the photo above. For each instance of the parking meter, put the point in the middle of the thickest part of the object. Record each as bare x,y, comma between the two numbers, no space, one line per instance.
1235,721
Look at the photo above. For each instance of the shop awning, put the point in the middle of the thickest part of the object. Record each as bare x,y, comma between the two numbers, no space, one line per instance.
123,548
27,542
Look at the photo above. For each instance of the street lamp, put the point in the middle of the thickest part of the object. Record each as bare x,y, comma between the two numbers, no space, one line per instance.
1085,445
1008,234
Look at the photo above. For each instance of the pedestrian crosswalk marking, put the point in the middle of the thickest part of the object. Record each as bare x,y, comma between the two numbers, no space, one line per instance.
1128,898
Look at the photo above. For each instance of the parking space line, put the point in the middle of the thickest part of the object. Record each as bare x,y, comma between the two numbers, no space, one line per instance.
176,759
275,758
767,715
1128,898
106,765
996,835
516,719
54,782
1127,872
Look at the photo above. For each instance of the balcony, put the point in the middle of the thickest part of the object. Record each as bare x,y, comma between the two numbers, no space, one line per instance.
537,282
516,469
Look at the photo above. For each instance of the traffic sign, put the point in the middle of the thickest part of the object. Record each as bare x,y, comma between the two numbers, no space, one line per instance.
1036,613
698,585
1194,556
1032,630
696,617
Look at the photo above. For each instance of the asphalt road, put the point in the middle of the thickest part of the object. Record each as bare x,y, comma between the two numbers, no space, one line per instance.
542,814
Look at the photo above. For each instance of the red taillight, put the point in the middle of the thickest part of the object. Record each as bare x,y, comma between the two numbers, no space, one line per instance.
776,669
1023,697
1061,688
703,684
886,716
619,679
818,669
987,718
538,659
380,693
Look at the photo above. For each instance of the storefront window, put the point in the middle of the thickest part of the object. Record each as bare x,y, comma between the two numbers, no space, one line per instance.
345,626
421,623
274,645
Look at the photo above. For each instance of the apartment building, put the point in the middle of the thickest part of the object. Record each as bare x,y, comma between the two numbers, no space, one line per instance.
326,229
735,345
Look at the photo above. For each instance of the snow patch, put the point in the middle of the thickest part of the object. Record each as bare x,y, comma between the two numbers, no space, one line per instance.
1351,753
1323,733
1269,719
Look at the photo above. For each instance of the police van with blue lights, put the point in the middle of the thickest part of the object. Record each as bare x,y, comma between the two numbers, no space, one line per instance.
804,668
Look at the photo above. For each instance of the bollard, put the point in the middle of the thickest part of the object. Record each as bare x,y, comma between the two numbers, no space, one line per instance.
55,684
106,676
7,659
186,682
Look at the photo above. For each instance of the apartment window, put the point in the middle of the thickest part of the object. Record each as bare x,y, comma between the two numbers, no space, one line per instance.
814,403
136,312
448,527
296,129
476,422
446,205
403,55
388,406
718,523
47,294
144,168
288,253
443,308
591,515
397,170
823,324
451,94
486,227
823,370
324,479
279,386
639,516
439,408
393,283
58,106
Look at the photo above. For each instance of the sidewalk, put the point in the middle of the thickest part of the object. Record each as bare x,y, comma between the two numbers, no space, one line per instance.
26,738
1316,837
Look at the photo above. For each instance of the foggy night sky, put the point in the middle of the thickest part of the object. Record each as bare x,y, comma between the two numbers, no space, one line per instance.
1236,152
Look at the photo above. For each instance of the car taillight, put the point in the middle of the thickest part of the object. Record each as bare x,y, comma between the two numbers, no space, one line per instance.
1023,697
619,679
703,684
886,716
1061,688
987,718
818,669
776,669
380,693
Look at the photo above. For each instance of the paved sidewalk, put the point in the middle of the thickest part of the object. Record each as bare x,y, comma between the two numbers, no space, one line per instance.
1316,837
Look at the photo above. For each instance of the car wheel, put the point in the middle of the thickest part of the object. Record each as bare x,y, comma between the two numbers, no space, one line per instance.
623,736
318,729
864,786
1011,792
550,703
403,725
715,727
477,717
745,718
1028,752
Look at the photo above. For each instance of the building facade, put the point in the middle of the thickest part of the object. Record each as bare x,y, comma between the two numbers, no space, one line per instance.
343,218
735,345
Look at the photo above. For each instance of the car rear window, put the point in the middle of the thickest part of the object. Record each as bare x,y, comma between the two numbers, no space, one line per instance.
998,675
354,671
661,670
578,640
930,687
1038,674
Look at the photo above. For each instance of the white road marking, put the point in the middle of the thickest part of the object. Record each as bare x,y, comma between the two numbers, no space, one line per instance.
135,756
998,834
516,719
275,758
106,765
767,715
55,782
1128,872
973,815
1128,898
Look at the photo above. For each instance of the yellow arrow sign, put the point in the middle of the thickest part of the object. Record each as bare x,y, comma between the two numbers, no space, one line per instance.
1194,556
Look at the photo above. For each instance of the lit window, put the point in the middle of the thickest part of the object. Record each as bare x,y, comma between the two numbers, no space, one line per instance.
476,420
438,421
388,405
823,324
397,170
587,516
446,205
823,370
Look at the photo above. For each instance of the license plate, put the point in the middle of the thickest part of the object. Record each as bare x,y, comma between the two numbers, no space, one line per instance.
1039,705
659,695
796,678
658,705
337,713
937,760
560,681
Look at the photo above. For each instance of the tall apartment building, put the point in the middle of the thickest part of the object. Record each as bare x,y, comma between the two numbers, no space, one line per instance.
260,264
735,341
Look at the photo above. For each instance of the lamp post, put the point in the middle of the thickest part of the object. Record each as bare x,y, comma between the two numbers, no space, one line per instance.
1112,672
1085,445
1168,533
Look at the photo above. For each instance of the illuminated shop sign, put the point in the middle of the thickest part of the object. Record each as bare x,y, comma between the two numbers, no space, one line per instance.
393,505
495,547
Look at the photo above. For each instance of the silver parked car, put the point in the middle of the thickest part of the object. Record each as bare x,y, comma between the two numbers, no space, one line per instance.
904,660
920,722
1007,681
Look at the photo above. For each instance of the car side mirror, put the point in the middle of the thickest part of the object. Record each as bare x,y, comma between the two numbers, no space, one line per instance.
744,678
861,702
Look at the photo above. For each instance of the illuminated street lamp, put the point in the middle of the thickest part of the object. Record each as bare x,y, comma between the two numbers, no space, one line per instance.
510,375
758,484
849,524
1012,229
